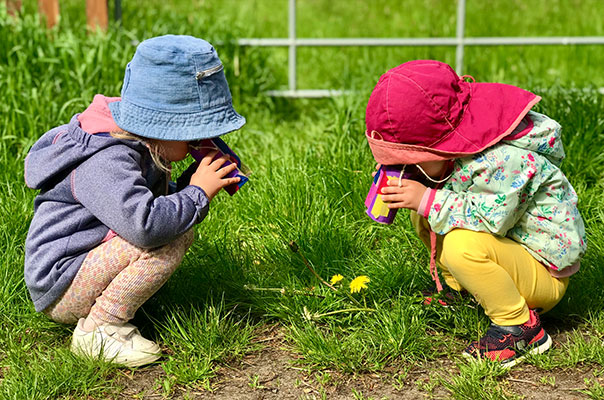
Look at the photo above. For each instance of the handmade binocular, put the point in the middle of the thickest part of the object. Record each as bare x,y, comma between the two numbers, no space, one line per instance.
201,148
377,209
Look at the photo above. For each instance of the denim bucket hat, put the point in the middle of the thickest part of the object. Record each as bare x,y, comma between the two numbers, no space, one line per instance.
175,89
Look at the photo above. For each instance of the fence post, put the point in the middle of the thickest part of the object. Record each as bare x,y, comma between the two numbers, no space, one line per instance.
13,7
292,45
461,26
96,14
49,9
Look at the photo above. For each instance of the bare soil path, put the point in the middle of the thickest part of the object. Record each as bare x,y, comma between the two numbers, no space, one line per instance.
271,373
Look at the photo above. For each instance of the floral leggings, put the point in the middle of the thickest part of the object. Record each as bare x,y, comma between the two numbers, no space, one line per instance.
116,278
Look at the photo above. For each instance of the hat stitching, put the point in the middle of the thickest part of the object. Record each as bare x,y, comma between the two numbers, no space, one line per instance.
388,102
453,128
420,149
148,122
471,143
176,51
151,121
203,111
432,102
463,115
412,147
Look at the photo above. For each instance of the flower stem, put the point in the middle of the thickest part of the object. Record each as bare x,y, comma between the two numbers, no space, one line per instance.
343,311
294,247
355,301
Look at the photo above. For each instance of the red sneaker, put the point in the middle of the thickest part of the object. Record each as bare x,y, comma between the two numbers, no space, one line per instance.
446,298
510,344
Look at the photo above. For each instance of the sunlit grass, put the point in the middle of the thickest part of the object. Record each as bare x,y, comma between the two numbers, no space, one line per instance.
311,173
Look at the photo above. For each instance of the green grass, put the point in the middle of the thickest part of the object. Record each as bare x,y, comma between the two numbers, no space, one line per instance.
311,173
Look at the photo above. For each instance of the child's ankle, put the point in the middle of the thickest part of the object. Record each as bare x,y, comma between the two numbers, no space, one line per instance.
91,323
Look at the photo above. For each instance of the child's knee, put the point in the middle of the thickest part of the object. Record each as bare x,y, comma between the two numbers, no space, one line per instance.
188,238
459,247
171,254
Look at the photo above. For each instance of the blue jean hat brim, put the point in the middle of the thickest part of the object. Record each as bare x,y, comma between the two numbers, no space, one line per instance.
162,125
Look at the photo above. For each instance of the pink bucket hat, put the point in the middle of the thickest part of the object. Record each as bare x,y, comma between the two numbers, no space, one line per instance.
423,111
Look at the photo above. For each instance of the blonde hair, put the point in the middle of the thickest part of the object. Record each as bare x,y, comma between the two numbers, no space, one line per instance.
154,147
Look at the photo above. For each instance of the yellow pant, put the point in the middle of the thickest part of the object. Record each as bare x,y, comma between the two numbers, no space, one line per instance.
503,277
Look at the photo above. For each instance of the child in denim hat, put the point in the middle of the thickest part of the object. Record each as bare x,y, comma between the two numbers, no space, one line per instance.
500,217
108,228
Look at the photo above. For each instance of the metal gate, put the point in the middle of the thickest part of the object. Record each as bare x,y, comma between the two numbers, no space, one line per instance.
459,41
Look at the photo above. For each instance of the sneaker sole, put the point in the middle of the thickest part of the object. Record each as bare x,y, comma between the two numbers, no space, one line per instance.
138,362
538,349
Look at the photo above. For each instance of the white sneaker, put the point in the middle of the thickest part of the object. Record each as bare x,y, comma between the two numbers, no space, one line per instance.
120,344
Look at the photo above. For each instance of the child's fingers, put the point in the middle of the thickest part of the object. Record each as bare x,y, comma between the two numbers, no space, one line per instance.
207,159
222,172
229,181
392,189
391,198
219,162
395,182
399,204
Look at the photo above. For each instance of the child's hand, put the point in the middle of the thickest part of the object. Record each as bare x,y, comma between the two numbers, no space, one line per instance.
377,166
408,195
210,177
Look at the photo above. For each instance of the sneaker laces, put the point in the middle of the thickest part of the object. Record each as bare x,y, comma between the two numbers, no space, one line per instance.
499,331
123,334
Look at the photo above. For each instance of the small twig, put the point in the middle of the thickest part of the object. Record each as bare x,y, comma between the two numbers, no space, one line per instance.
268,339
283,291
523,381
573,389
294,247
310,387
296,368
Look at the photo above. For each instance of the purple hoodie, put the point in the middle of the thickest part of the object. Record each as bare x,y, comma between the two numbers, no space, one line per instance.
93,187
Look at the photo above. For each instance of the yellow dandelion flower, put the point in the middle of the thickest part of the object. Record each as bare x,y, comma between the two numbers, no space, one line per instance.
359,283
336,278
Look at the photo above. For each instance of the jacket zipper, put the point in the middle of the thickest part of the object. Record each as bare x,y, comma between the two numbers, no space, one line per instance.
202,74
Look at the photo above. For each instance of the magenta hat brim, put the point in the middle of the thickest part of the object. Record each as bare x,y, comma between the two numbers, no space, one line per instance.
494,111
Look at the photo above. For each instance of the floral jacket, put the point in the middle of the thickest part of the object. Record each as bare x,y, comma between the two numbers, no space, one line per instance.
515,189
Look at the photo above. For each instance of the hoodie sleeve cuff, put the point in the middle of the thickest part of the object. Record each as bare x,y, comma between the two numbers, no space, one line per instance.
200,198
426,202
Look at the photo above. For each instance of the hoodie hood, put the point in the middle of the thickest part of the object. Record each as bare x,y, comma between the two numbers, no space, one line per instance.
59,150
97,117
541,134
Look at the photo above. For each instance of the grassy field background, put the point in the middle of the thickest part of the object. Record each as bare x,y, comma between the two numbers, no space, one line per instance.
311,172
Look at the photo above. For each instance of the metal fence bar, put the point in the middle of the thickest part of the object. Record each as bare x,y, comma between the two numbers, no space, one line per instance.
292,46
460,41
306,93
403,42
461,27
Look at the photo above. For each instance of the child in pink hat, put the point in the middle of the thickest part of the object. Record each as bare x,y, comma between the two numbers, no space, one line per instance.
499,215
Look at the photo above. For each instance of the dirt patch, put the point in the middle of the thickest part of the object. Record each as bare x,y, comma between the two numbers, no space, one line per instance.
271,373
557,384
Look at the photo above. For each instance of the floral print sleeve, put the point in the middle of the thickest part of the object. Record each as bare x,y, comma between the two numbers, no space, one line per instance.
515,189
488,192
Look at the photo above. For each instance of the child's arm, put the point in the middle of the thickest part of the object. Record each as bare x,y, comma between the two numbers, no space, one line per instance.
113,189
489,193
